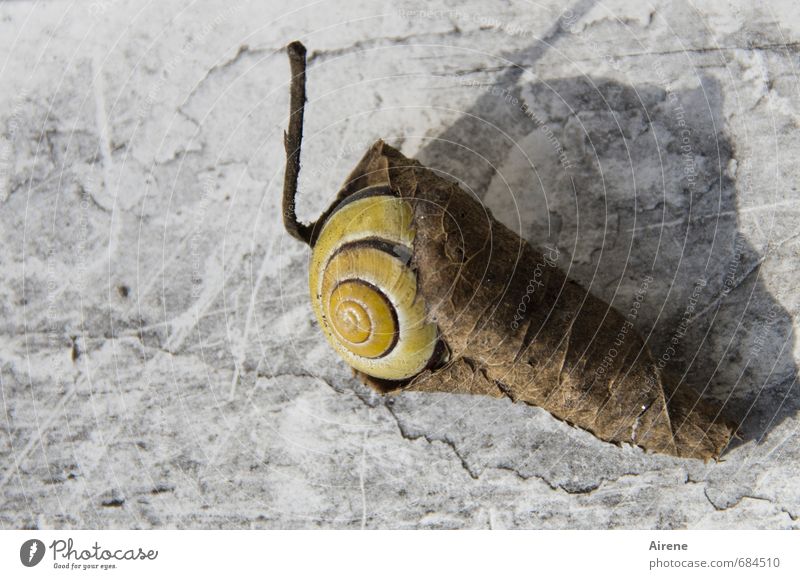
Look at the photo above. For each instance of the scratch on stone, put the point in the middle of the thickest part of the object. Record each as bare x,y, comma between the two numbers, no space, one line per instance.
41,427
239,349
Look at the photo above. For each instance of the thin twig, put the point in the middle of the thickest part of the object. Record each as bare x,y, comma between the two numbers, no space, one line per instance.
292,141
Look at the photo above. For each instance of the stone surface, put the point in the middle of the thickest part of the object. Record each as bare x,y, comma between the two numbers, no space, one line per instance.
159,363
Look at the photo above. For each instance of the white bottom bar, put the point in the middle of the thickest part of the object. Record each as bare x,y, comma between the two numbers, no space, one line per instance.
387,554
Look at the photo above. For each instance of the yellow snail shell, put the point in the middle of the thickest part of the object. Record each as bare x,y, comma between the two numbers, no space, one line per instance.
363,290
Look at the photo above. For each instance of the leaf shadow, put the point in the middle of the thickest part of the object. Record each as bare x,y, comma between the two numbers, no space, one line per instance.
637,182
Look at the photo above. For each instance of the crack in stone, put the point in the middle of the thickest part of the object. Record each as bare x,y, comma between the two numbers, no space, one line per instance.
776,47
90,196
181,154
369,43
737,502
243,50
700,50
481,70
791,515
430,440
583,490
362,397
587,489
720,507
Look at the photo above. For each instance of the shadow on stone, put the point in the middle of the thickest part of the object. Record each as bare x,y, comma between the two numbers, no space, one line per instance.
636,183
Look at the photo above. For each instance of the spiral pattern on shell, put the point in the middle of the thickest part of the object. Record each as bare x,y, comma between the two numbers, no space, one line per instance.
363,290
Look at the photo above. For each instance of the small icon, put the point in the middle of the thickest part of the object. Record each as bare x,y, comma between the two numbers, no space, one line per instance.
31,553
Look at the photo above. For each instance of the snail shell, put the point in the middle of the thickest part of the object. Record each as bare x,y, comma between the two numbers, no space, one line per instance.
364,291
